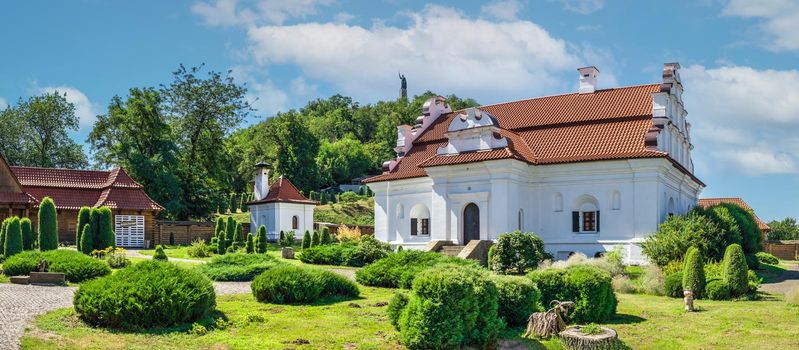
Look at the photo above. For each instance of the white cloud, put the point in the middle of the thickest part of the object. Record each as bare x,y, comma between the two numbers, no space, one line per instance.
505,10
744,118
440,49
583,7
85,110
343,17
255,12
3,103
262,93
780,20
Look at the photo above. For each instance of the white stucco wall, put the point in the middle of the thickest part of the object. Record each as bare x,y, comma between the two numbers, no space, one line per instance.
277,216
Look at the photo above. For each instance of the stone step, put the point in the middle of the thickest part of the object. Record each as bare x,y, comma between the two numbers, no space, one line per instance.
451,250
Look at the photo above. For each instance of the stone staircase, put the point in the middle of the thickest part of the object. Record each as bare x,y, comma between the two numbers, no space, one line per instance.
475,250
451,250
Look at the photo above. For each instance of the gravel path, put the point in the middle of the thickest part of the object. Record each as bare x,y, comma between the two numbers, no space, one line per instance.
20,303
788,281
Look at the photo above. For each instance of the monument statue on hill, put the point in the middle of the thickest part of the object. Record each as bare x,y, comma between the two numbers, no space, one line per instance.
403,87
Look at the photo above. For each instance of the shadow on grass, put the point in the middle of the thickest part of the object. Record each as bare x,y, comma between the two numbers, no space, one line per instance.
625,319
511,339
211,321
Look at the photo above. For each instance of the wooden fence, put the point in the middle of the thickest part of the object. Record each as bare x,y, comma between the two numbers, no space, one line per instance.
786,250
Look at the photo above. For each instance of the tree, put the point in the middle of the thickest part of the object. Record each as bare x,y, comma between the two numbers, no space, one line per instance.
238,237
83,220
785,229
326,238
3,234
260,246
250,246
203,112
86,241
94,222
13,241
48,225
219,229
694,272
105,229
735,270
296,153
324,198
230,230
343,160
315,239
35,132
678,233
135,134
27,234
306,240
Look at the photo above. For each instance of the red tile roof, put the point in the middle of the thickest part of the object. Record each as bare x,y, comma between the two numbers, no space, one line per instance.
709,202
16,198
284,191
604,125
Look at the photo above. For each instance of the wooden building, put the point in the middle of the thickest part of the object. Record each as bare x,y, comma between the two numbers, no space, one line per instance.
23,188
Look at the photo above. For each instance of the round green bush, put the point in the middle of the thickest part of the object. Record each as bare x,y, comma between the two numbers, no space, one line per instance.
518,299
517,252
767,258
237,266
76,267
673,285
145,295
451,307
289,284
717,290
589,287
160,254
693,277
735,270
399,269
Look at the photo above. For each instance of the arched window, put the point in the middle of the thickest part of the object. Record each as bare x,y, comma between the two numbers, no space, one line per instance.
671,207
420,220
295,222
585,215
521,220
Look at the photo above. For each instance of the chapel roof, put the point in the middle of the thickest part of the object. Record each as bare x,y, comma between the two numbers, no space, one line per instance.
283,190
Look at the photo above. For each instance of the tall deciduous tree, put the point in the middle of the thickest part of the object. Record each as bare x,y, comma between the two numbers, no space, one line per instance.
35,133
785,229
297,149
343,160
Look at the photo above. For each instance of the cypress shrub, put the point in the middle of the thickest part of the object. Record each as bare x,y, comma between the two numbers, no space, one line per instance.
221,244
233,203
86,244
13,242
306,240
312,195
315,239
3,235
361,191
250,245
238,237
326,238
106,237
83,220
693,277
735,271
94,223
260,247
395,307
281,238
48,225
369,192
159,254
27,234
219,229
324,198
230,231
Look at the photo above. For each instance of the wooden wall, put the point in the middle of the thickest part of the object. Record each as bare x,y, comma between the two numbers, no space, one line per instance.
68,222
786,250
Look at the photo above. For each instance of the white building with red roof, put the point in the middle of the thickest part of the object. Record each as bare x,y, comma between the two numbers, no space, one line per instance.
586,171
279,206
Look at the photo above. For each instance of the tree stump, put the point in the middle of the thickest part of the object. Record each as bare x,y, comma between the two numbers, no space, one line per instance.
287,253
573,338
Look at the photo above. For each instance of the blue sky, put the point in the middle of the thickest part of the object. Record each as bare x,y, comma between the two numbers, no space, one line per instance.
738,58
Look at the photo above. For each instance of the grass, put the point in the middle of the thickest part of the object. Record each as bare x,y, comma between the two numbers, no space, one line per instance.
360,212
176,251
185,264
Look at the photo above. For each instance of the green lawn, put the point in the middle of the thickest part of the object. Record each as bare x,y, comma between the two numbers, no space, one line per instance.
356,213
185,264
177,251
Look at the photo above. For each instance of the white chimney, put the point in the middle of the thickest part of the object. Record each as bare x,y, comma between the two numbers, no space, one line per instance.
588,76
261,189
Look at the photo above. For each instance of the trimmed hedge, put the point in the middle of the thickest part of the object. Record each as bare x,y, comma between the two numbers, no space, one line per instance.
28,239
357,254
306,240
315,239
261,241
735,270
48,225
289,284
105,229
717,290
589,287
86,244
673,285
764,258
399,269
13,238
76,267
693,277
249,247
518,299
237,266
145,295
326,238
516,253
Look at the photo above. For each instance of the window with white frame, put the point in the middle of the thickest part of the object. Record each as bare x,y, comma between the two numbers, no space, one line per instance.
585,217
420,221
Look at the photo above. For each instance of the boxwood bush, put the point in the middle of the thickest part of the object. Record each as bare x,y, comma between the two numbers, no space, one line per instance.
289,284
693,273
237,266
399,269
76,267
518,299
589,287
516,253
767,258
717,290
145,295
673,285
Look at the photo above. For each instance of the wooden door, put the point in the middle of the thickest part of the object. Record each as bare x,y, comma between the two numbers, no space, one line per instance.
471,223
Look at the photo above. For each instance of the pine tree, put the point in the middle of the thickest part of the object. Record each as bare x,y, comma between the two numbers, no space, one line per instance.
315,239
86,244
48,225
83,220
326,238
306,240
27,234
250,245
105,232
694,272
260,247
13,241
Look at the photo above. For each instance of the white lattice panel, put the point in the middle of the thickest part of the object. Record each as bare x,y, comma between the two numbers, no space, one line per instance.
129,230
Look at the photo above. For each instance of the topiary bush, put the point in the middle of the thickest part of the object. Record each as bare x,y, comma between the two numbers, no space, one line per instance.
145,295
693,277
517,252
160,254
83,219
451,307
86,242
326,238
399,269
717,290
3,235
306,240
261,241
518,298
28,239
289,284
48,225
763,257
238,237
735,270
315,239
673,285
230,231
13,238
105,231
237,266
249,247
344,254
76,267
589,287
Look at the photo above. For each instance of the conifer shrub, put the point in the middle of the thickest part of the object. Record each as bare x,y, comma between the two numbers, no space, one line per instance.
86,243
289,284
230,231
306,240
693,278
160,255
260,246
517,252
398,270
13,239
238,237
717,290
3,235
48,225
395,307
105,230
764,258
518,298
250,245
673,285
344,254
145,295
28,239
237,266
326,238
315,239
76,266
94,223
83,220
678,233
589,287
281,237
219,228
735,270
